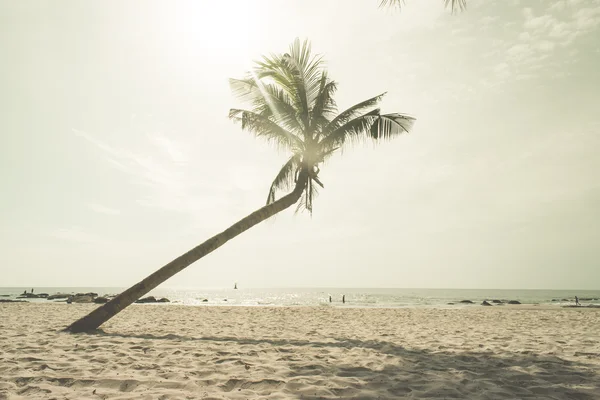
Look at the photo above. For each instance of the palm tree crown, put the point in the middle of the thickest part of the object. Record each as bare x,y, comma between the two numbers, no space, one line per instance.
292,105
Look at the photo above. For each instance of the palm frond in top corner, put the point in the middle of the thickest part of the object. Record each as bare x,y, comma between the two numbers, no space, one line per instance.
454,4
391,3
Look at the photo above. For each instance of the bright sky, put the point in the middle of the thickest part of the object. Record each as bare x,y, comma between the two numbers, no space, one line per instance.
116,154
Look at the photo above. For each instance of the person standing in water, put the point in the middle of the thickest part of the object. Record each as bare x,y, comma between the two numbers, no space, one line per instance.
577,303
344,298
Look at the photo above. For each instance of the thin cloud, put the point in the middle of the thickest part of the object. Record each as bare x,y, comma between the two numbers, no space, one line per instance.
172,148
103,209
543,33
143,169
76,234
167,181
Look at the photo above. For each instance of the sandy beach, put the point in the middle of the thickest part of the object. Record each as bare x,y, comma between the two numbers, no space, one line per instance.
179,352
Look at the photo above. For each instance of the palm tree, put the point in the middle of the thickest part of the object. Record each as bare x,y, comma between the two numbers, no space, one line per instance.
291,99
454,4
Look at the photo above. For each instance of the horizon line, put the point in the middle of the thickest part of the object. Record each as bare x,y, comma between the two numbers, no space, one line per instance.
299,287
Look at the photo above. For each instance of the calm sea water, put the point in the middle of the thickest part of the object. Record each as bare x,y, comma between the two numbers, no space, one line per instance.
320,296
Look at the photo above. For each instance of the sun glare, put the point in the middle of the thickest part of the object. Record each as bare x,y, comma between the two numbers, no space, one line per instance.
223,26
260,86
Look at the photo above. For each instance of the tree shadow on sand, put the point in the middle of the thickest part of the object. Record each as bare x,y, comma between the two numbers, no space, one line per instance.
424,373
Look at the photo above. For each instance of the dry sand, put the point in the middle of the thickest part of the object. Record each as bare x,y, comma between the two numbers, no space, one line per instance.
178,352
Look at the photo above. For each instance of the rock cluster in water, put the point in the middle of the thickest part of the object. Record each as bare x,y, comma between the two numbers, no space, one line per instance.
58,296
90,297
489,303
152,299
26,295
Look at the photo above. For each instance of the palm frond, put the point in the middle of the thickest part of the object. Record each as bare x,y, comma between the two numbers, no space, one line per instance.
308,67
285,178
262,126
371,125
268,100
351,130
454,4
298,73
324,153
391,3
306,201
390,125
351,113
274,68
325,105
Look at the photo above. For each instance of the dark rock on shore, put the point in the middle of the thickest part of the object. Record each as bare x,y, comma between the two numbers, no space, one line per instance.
450,304
58,296
485,303
80,298
28,296
497,301
152,299
466,302
204,300
12,301
90,294
100,300
514,302
75,298
149,299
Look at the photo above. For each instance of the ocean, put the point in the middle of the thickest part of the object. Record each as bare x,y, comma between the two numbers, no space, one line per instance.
354,297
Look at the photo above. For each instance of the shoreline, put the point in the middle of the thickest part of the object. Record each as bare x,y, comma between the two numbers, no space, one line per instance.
367,298
325,305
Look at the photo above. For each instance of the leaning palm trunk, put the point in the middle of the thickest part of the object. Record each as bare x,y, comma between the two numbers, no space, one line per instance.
102,314
293,106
